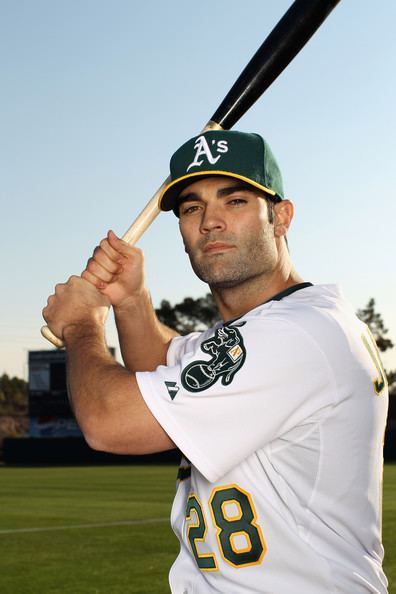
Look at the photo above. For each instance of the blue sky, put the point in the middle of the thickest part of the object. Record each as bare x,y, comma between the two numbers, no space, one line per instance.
96,95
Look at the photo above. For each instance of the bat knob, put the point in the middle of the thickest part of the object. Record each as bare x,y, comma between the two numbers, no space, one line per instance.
50,336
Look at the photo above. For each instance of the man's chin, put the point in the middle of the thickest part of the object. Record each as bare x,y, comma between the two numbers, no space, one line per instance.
224,284
217,272
218,280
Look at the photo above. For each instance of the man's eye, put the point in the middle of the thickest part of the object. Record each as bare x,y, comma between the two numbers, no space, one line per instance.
237,201
186,210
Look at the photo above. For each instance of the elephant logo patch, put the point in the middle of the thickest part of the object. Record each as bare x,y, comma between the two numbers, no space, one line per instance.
228,355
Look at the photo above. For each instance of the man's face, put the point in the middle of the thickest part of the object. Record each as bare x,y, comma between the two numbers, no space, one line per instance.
226,231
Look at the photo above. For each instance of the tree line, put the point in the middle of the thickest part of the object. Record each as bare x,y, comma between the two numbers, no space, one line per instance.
13,396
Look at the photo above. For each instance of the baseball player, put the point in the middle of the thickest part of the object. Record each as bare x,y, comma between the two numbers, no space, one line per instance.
279,409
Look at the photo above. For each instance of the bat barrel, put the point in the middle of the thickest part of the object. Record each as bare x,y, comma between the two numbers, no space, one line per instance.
287,38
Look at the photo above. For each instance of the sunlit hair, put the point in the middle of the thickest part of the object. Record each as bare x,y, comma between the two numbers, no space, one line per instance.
270,201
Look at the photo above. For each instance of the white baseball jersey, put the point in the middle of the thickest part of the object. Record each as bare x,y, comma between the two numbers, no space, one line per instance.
280,415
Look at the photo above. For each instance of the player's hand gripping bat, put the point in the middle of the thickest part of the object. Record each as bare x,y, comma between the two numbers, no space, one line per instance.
284,42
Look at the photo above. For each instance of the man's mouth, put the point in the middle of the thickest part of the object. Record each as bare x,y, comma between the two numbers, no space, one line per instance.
215,247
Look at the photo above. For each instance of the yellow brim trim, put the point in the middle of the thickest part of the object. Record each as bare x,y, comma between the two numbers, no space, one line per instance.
212,172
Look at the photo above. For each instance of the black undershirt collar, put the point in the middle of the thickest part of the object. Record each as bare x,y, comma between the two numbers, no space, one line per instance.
288,291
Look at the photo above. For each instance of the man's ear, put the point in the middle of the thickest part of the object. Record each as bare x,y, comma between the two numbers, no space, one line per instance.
284,212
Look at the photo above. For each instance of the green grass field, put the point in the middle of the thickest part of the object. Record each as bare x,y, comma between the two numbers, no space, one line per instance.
104,530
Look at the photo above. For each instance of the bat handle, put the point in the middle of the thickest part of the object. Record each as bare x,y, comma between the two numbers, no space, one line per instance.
145,218
50,336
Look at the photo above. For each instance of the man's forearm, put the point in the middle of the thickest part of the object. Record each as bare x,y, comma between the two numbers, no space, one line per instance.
106,399
92,377
144,341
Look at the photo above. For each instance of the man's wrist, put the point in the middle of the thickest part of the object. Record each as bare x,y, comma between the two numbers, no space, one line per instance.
82,331
133,303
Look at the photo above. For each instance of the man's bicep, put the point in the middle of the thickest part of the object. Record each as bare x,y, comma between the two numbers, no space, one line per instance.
128,427
152,436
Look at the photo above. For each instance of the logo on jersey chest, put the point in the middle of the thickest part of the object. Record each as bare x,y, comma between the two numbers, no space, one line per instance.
202,149
228,355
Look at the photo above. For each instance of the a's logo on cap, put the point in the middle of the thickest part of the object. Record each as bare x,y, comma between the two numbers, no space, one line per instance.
202,149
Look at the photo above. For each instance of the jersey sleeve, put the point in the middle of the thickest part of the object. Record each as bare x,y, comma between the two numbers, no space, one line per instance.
227,394
180,345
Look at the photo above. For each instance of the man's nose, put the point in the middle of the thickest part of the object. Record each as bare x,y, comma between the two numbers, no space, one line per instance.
212,219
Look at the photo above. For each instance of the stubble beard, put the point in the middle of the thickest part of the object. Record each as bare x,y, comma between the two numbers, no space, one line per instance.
249,259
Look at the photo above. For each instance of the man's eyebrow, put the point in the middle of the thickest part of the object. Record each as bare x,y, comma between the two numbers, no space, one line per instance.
237,188
190,196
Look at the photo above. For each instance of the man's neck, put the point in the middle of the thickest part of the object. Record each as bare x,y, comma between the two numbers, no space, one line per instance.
234,302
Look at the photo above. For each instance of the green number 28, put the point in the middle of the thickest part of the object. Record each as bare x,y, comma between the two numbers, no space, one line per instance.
239,537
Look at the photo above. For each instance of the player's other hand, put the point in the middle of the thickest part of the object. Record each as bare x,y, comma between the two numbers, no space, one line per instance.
77,306
117,270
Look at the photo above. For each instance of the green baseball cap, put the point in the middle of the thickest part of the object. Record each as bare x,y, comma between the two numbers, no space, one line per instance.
241,155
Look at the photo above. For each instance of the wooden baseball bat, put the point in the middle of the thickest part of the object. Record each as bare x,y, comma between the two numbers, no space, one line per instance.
284,42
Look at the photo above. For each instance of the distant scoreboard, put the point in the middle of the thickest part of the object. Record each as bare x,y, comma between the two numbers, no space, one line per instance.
50,414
